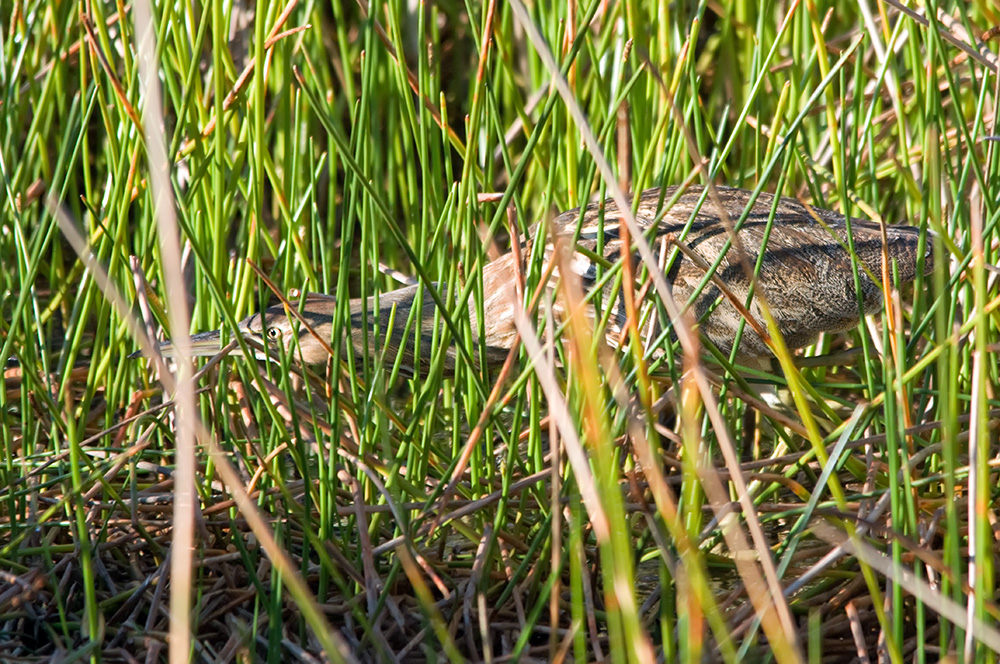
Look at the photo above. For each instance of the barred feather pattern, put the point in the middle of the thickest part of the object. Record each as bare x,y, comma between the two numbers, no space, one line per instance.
805,275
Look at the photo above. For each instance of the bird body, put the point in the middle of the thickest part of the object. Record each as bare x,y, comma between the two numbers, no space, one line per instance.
805,275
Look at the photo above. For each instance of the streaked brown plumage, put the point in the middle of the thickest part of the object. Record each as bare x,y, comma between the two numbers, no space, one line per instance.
805,276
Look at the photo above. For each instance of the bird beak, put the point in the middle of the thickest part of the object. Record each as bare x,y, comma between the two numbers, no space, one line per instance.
206,344
209,344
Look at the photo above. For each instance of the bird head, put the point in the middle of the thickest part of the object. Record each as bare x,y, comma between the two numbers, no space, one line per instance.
272,332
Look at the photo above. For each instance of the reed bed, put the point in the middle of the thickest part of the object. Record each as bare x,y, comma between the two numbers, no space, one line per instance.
159,158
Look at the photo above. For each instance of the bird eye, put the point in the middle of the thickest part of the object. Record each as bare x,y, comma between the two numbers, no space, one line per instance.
273,333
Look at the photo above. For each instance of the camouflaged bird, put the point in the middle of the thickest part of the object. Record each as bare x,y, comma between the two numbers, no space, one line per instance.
805,275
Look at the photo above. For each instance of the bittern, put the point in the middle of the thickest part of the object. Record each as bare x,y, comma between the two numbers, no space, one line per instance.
805,276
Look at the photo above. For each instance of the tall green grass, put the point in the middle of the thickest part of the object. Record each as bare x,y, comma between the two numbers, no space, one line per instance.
585,506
